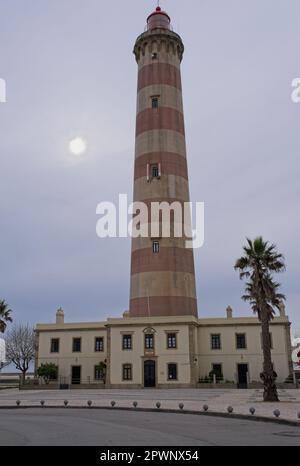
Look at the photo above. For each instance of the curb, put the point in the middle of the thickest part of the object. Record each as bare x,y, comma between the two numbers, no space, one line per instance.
245,417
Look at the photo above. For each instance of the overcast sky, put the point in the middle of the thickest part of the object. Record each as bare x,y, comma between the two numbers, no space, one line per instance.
70,72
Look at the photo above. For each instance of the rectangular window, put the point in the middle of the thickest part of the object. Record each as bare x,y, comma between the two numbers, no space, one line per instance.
171,341
127,342
154,55
155,247
217,371
172,371
149,341
99,374
215,342
127,372
99,344
155,171
154,102
240,341
76,345
54,345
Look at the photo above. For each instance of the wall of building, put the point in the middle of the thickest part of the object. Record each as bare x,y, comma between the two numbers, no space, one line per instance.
161,354
194,356
88,358
229,356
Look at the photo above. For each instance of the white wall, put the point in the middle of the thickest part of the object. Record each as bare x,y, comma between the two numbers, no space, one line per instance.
2,350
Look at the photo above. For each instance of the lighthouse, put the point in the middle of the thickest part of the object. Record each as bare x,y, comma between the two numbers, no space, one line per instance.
162,268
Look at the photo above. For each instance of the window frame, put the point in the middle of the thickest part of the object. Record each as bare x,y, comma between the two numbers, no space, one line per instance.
212,346
73,342
154,169
127,337
237,335
221,366
127,368
155,247
173,365
172,339
151,337
95,373
155,102
99,350
51,348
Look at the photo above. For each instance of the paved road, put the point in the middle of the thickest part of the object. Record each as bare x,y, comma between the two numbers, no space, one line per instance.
119,428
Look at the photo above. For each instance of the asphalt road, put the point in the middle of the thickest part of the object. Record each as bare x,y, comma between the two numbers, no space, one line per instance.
124,428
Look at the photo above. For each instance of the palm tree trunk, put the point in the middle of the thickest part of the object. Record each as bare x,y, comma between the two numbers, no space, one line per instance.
268,375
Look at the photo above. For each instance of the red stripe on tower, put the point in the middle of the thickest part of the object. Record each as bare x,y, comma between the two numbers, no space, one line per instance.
162,272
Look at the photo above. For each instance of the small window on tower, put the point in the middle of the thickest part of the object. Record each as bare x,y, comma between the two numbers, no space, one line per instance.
155,247
155,101
155,171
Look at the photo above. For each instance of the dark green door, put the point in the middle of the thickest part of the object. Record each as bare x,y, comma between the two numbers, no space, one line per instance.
149,374
242,375
76,375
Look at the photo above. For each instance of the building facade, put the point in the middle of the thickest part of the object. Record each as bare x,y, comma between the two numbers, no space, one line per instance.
162,352
160,341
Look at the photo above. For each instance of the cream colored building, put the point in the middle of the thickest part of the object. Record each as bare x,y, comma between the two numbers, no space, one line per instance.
173,347
162,351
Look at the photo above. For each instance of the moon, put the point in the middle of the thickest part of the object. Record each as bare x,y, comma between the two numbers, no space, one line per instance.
77,146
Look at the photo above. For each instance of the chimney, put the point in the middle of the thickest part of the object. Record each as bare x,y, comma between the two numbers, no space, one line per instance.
60,316
282,309
229,312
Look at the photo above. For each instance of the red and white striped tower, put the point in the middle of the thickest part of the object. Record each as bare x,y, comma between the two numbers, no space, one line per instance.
162,269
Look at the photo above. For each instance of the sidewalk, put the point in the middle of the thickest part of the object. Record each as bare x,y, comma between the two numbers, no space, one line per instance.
216,400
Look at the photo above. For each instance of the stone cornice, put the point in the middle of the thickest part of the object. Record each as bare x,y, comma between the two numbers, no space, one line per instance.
160,36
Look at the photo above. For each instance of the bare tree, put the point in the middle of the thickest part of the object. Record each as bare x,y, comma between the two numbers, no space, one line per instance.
20,347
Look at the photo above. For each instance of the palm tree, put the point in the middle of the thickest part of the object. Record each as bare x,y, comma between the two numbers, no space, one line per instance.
259,262
5,316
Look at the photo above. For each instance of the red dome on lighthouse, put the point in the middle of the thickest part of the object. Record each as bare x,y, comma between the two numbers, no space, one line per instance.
158,20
